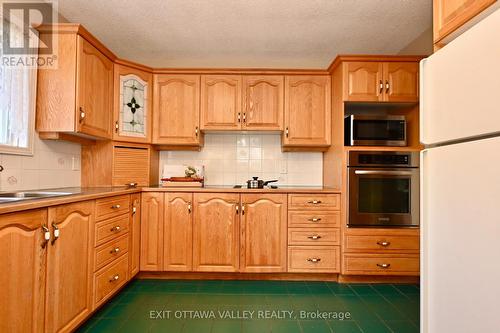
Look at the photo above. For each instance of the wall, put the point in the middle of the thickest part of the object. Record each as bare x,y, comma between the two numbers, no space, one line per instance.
50,167
422,45
231,159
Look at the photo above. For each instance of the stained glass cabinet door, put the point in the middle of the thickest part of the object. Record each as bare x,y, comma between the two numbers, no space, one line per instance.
132,105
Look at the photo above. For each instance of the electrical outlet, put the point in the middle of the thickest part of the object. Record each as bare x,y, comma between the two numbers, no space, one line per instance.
75,163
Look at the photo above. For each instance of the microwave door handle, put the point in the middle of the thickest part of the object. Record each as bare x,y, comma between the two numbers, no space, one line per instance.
380,172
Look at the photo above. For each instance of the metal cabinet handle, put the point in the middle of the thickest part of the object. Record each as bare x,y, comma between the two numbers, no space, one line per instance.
134,210
239,117
242,209
115,207
286,132
115,229
115,250
386,86
244,117
132,185
384,243
381,85
315,219
117,126
46,236
314,237
196,131
82,114
314,260
237,209
314,202
189,207
114,278
1,168
57,233
384,266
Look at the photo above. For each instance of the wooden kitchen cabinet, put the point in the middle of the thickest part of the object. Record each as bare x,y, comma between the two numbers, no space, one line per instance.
22,282
133,92
263,97
450,15
216,232
221,102
69,266
401,81
263,233
177,110
151,231
135,234
76,97
178,232
307,111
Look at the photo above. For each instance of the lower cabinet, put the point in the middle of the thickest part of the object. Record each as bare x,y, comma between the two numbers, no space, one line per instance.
135,234
151,231
263,233
216,232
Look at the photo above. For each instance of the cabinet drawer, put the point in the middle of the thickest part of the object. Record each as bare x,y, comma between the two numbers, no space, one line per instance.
111,207
313,219
381,264
110,279
314,201
381,243
108,252
313,259
110,229
315,236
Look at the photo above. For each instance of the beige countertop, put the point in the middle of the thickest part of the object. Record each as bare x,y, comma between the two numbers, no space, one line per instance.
231,189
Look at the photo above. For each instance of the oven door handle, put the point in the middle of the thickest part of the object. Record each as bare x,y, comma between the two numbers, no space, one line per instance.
380,172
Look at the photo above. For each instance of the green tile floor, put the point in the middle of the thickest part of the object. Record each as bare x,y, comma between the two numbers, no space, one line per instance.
258,306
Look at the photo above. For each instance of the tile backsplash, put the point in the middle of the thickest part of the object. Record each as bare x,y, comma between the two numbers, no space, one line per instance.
231,159
53,164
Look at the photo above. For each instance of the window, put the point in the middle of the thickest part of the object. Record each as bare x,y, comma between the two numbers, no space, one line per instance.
17,106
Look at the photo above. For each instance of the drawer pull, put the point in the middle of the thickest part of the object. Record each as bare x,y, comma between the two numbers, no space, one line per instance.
115,250
115,228
114,278
314,260
314,202
384,266
315,219
384,243
116,206
314,237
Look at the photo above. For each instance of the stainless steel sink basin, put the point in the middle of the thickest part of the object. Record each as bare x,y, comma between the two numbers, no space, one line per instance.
25,195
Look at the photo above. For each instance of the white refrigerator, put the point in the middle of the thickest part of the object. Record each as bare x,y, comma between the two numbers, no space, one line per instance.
460,183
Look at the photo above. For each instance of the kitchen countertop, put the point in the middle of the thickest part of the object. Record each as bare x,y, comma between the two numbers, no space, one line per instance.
90,193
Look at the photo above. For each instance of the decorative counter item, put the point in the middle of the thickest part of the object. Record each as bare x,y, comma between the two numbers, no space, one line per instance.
182,176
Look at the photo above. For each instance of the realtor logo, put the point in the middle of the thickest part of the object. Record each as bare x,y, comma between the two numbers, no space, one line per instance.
21,43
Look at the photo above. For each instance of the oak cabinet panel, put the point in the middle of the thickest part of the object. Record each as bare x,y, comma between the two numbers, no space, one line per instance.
324,259
307,111
177,110
109,279
135,234
69,266
381,264
22,282
263,102
263,233
221,102
95,91
151,231
401,81
216,232
178,232
364,82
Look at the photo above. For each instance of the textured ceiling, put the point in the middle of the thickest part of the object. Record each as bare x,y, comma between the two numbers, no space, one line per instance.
249,33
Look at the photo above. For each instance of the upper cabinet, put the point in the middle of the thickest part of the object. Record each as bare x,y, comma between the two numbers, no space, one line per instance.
372,81
263,102
452,15
221,102
132,104
307,111
177,110
76,97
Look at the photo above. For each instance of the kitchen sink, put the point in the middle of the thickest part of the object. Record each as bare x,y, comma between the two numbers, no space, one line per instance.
25,195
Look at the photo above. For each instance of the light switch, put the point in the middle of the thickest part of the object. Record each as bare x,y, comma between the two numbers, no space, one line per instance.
75,163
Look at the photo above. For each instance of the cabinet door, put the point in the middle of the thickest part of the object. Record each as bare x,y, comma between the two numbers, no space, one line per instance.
263,102
151,231
135,234
220,102
401,81
449,15
132,104
263,233
69,266
178,241
363,82
22,281
176,109
307,111
94,90
216,232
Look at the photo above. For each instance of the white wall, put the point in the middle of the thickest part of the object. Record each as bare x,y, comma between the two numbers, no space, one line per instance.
231,159
50,167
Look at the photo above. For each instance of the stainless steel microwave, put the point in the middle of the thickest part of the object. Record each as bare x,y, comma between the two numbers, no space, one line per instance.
368,130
